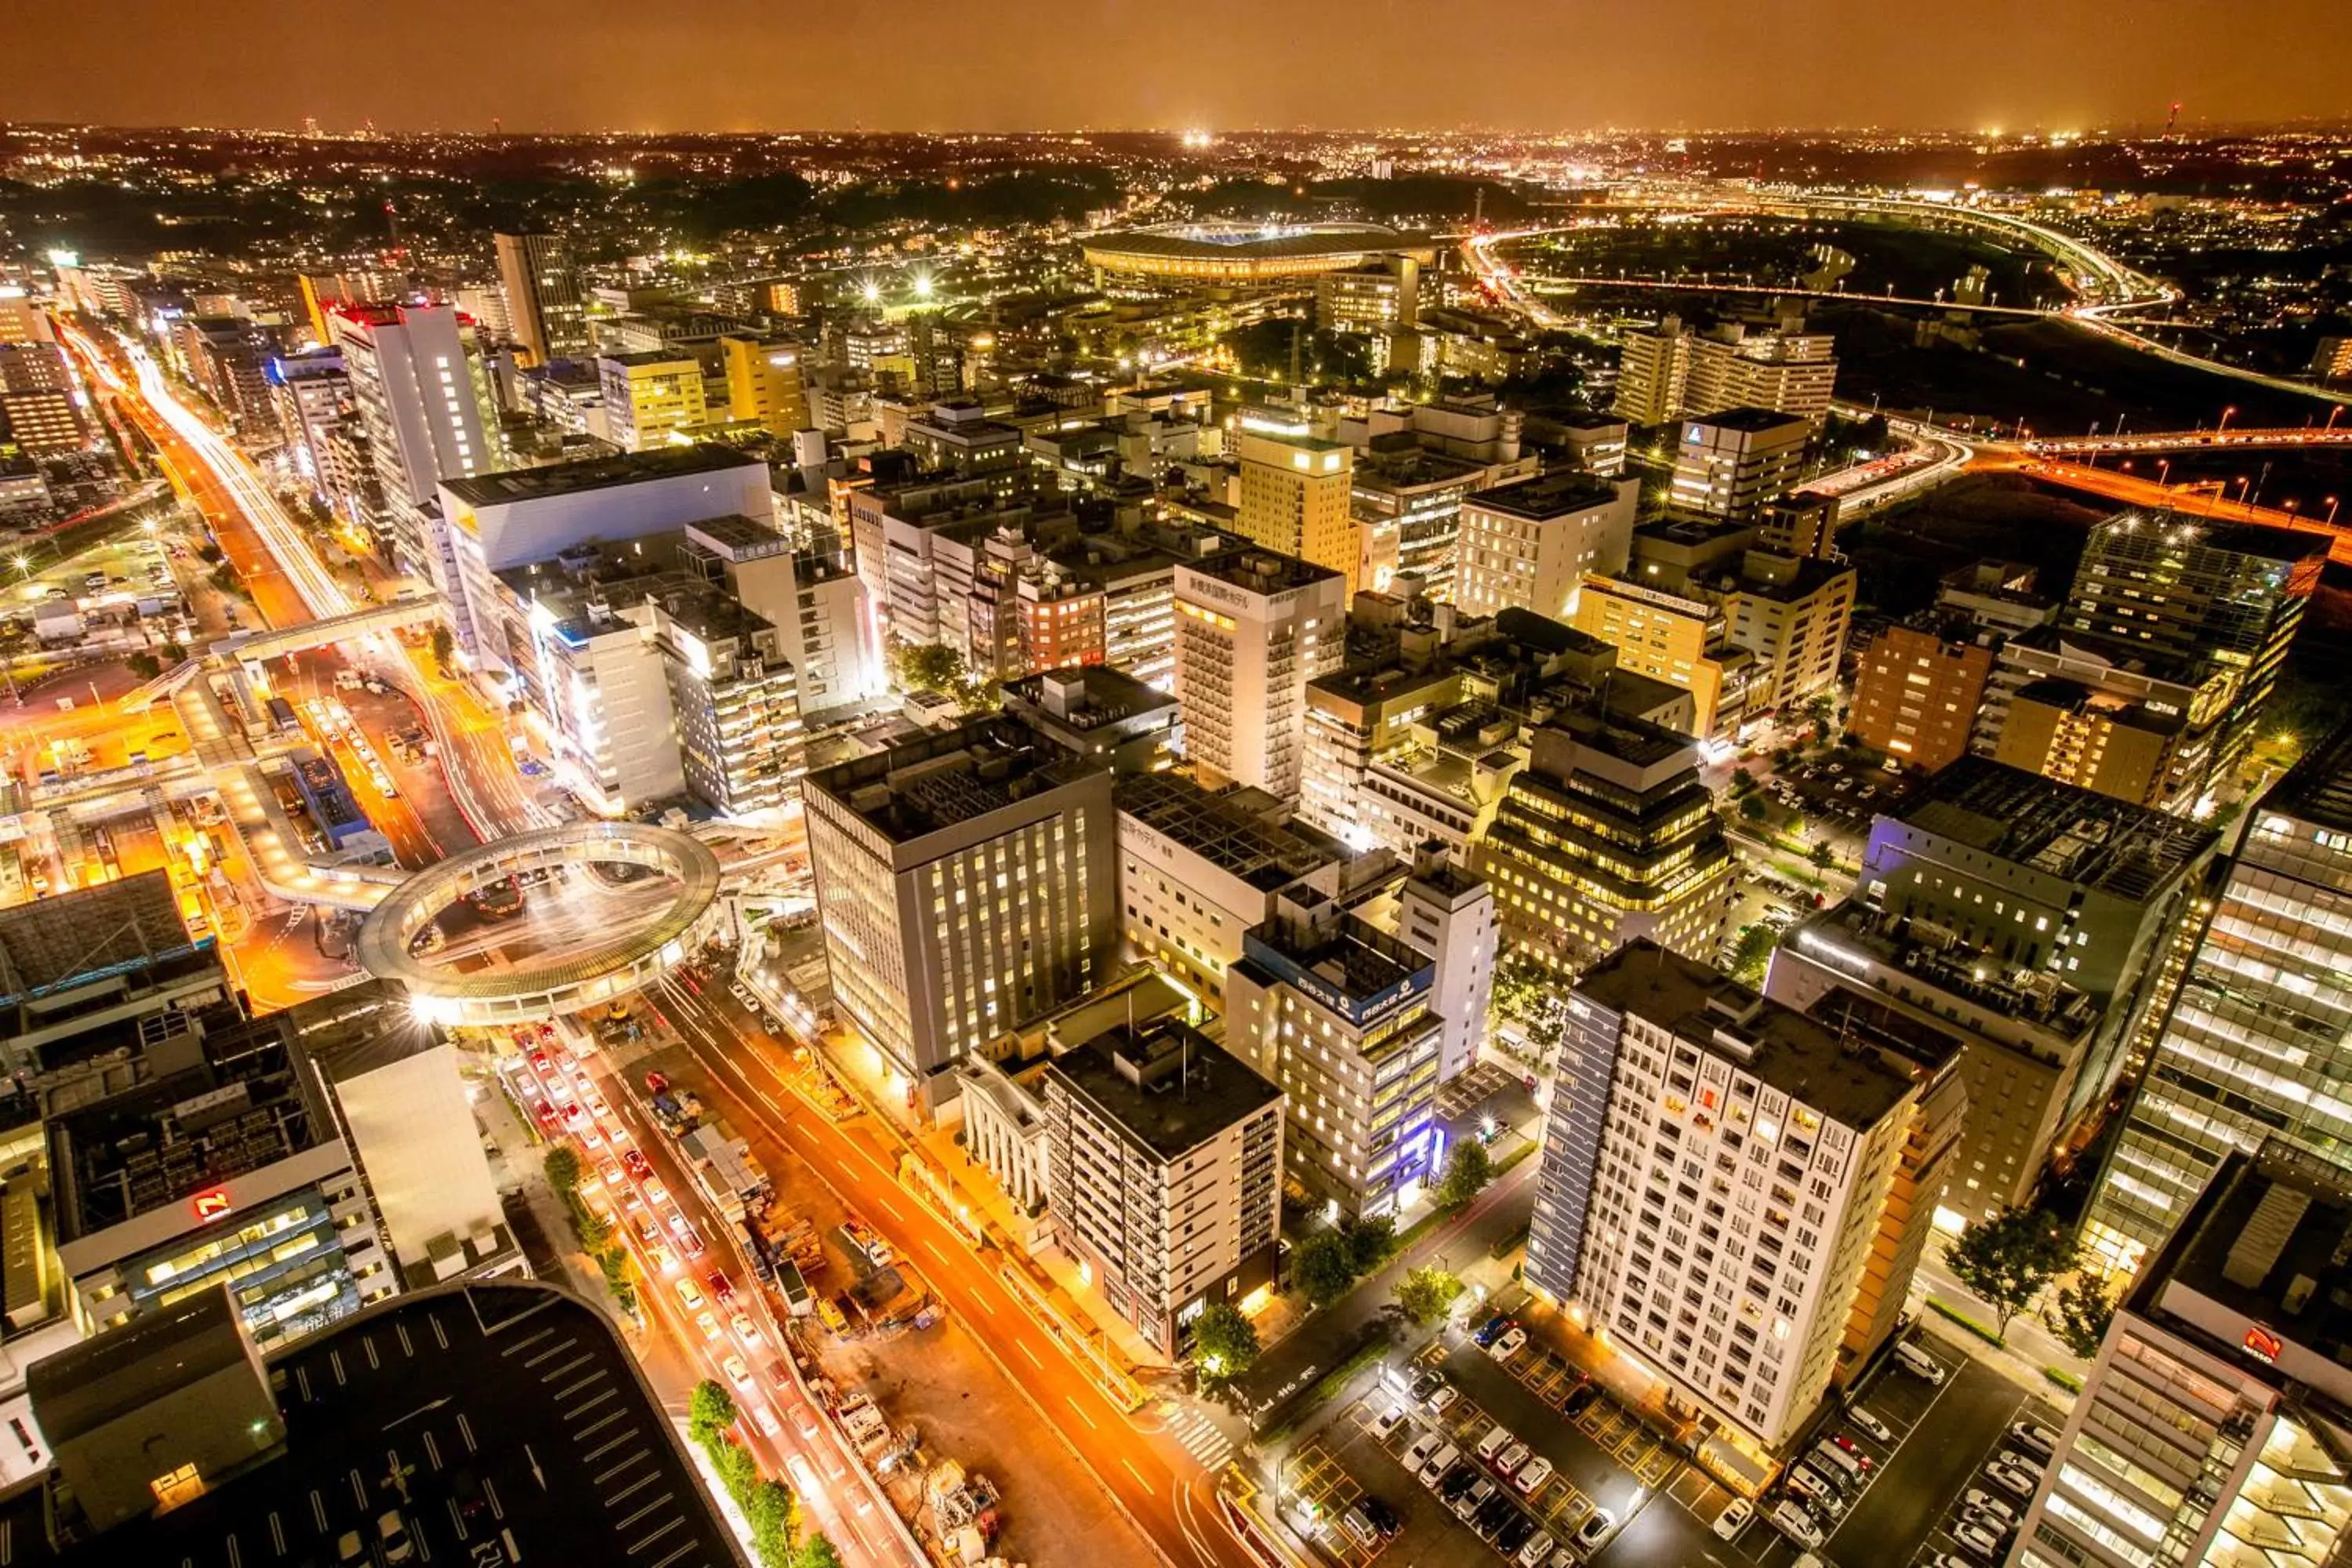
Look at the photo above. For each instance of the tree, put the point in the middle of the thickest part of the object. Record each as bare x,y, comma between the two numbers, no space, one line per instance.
174,652
1426,1294
1753,953
930,667
1224,1343
2006,1260
563,1168
144,665
768,1508
1823,856
1369,1242
709,1410
817,1552
1324,1267
1466,1174
444,645
1753,809
2080,1312
1523,988
1742,781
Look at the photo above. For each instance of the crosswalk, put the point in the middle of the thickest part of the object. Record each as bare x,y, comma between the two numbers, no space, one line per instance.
1200,1437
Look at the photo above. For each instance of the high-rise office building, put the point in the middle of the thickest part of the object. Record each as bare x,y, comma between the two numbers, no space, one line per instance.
1728,465
2216,1425
38,412
1252,630
544,308
1295,500
1716,1178
424,401
1608,835
2258,1041
967,881
1338,1012
1164,1170
2177,588
1529,545
2030,919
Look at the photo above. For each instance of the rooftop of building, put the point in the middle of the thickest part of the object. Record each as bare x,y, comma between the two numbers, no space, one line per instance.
1087,697
2115,846
936,780
1239,830
1309,933
1586,420
734,531
81,937
511,484
1201,241
1847,932
1166,1088
2318,788
2269,1240
1261,571
443,1371
2237,538
1550,495
1812,1063
2074,696
587,591
221,1099
1750,421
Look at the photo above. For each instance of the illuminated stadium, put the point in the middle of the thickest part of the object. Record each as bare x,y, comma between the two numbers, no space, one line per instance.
1245,253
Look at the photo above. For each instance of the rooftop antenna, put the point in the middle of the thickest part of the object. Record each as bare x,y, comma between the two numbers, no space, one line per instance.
2172,121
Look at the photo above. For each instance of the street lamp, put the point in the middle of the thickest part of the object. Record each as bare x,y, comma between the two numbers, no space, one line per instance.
2332,413
2331,509
2163,470
2225,419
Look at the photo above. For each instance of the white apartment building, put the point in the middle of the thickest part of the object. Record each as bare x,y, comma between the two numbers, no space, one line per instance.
1252,630
1448,913
1529,545
1715,1176
1164,1169
425,402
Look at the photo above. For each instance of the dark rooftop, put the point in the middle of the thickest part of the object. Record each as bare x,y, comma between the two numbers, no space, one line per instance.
1752,420
81,936
2096,840
934,781
1168,1087
2318,788
1552,495
1806,1059
1261,571
87,1385
1229,827
518,1390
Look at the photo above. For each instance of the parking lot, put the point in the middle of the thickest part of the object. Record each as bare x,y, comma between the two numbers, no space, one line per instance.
1840,793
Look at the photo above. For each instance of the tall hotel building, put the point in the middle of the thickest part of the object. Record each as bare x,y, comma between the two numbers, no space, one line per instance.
1717,1175
1252,630
967,881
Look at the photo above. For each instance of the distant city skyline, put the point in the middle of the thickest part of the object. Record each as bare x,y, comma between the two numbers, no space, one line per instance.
596,64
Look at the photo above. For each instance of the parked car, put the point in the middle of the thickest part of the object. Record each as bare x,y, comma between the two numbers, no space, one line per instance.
1793,1521
1580,1399
1474,1497
1433,1468
1596,1524
2034,1437
1508,1462
1920,1365
1493,1328
1735,1514
1978,1539
1535,1549
2018,1483
1387,1420
1457,1480
1509,1345
1384,1519
1445,1396
1874,1427
1531,1479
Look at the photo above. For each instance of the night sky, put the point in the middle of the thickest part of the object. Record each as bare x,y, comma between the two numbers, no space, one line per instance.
928,65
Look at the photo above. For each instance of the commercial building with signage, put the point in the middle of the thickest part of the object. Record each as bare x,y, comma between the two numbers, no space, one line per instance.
2216,1425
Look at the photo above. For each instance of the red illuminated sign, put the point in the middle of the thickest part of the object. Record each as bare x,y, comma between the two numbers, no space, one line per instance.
2263,1343
211,1205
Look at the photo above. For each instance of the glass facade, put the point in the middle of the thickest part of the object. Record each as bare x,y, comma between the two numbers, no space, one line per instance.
284,1264
2259,1043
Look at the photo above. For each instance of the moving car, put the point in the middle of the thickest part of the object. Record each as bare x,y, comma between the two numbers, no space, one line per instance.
737,1371
689,1295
